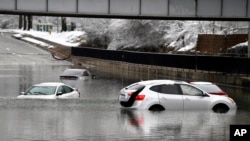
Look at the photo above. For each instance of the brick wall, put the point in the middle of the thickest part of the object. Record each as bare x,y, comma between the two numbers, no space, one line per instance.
215,44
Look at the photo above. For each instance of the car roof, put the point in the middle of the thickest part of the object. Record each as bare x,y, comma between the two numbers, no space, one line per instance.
76,70
50,84
73,72
202,83
153,82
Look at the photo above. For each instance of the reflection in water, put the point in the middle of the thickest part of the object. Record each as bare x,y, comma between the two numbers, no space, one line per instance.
86,119
178,125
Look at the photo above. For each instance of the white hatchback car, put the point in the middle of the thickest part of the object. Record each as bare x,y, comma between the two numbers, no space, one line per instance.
50,90
170,94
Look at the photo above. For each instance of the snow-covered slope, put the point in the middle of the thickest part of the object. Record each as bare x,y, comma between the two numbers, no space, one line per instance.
115,34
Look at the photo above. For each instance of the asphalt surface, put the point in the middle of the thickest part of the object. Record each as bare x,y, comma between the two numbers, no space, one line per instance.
13,51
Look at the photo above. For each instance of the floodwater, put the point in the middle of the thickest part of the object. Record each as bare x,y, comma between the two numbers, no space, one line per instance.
97,115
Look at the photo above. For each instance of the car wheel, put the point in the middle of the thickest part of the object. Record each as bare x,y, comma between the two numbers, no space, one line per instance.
221,108
156,108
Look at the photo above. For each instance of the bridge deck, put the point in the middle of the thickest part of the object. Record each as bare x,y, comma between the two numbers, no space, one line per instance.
148,9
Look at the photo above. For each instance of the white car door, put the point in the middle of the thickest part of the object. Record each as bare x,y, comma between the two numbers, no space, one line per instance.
194,99
169,96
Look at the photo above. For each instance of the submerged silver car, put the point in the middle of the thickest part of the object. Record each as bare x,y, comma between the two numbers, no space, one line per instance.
171,94
50,90
75,74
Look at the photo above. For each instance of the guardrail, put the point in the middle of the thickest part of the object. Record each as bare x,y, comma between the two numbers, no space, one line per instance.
221,64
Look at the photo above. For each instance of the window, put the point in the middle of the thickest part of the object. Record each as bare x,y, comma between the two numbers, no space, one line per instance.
85,73
189,90
135,87
41,90
156,88
60,90
169,89
67,89
64,89
165,89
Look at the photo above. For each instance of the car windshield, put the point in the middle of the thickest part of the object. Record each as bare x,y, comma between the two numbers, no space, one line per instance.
73,72
41,90
209,88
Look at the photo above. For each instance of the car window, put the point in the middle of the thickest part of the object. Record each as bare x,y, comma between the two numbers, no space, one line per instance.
41,90
85,73
64,89
165,89
60,90
67,89
135,87
190,90
156,88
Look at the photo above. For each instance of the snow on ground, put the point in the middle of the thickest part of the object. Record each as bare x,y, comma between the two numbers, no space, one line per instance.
182,36
70,39
240,45
28,39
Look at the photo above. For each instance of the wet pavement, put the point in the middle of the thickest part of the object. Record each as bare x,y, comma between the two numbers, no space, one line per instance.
96,116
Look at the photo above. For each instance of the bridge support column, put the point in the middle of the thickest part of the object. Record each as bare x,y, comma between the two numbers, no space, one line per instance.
20,24
24,22
30,19
248,49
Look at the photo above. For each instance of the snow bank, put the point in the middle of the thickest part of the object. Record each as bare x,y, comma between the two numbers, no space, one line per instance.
240,45
70,39
37,42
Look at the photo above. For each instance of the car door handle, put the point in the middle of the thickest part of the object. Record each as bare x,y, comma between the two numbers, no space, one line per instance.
187,99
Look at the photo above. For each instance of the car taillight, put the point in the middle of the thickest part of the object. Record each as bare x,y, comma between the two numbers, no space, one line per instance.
140,97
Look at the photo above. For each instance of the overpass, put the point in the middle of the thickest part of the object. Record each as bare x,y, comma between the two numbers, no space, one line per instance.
228,10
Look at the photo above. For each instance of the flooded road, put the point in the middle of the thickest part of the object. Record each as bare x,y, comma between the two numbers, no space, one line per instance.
97,116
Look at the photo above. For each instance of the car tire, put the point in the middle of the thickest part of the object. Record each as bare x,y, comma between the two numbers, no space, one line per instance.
156,108
220,108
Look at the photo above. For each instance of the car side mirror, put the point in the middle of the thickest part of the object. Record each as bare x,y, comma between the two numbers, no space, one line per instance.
22,93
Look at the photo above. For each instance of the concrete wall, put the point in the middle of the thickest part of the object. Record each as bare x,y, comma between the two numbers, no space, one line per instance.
145,72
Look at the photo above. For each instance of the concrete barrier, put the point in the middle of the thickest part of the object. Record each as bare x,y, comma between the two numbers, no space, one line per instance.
146,72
